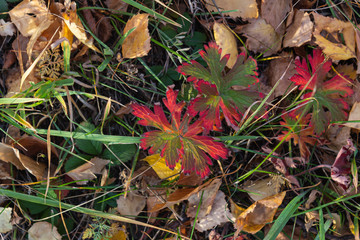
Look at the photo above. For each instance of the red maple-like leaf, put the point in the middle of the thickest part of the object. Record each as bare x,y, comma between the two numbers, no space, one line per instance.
302,132
223,92
326,95
178,140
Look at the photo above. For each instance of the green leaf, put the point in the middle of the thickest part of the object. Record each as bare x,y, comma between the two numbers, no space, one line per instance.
74,162
124,152
88,146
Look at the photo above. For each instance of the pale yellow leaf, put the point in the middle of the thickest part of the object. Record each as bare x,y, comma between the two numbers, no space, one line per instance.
227,42
162,170
261,37
327,33
5,220
354,115
245,8
137,43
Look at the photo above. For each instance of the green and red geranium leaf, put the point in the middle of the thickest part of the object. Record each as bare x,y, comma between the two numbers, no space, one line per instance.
180,139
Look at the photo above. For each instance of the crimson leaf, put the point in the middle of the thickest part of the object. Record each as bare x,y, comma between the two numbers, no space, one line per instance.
327,95
220,90
178,140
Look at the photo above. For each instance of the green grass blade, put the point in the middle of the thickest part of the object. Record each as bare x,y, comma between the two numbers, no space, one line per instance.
284,217
19,100
92,137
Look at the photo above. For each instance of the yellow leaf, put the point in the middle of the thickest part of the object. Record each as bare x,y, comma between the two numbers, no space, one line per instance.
254,218
327,33
227,42
137,43
159,165
75,26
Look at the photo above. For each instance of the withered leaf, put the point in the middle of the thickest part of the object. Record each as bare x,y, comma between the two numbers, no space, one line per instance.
275,12
132,205
42,231
244,8
300,31
137,43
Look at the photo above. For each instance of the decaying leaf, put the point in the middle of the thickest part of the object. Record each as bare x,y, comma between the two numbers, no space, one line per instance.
254,218
137,43
340,169
261,37
244,8
227,42
263,188
274,12
300,31
88,170
22,162
162,170
5,220
43,231
132,205
327,33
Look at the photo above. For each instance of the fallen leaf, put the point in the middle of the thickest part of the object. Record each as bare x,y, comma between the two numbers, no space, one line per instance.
275,12
227,42
354,115
254,218
13,80
137,43
300,31
244,8
88,170
43,231
32,146
263,188
5,220
118,5
327,33
338,136
312,197
261,37
6,28
281,69
219,213
132,205
74,24
191,179
162,170
20,161
340,169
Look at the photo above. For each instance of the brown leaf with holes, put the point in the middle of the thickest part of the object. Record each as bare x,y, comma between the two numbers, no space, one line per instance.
244,9
327,33
300,30
254,218
275,12
261,37
137,43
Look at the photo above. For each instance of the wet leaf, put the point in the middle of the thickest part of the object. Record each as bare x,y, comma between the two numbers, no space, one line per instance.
254,218
137,43
162,170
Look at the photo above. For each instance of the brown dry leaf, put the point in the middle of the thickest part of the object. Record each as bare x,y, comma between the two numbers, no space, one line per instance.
275,71
74,24
88,170
227,42
20,161
254,218
28,16
118,5
191,179
312,197
32,146
275,13
354,115
13,80
245,8
347,70
5,171
327,33
264,188
5,220
132,205
43,231
137,43
261,37
338,136
300,31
